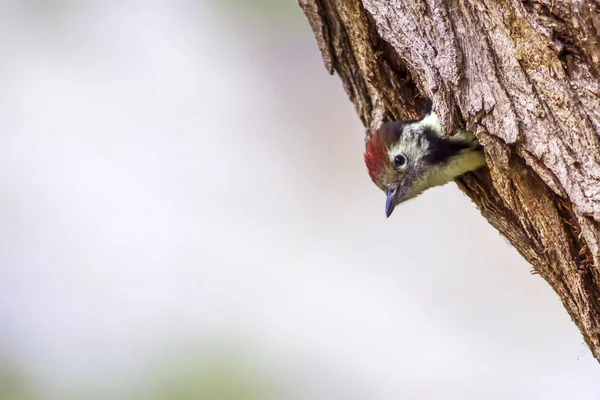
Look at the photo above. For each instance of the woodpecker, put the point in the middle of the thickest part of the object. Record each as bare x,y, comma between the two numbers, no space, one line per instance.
405,158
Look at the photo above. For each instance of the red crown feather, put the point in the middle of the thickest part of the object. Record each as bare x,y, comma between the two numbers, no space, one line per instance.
375,156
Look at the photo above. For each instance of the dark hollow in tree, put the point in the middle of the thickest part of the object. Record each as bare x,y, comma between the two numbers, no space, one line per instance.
524,76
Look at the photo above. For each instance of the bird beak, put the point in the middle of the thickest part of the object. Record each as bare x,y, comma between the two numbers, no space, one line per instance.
394,196
391,201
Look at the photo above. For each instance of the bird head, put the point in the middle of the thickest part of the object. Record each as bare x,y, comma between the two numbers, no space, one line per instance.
405,158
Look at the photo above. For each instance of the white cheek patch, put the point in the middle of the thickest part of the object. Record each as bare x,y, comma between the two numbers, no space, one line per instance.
432,122
409,146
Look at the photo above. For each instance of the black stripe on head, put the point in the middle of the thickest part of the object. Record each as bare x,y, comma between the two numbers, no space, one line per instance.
441,149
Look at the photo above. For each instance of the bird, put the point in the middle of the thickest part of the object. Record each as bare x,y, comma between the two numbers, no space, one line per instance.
406,157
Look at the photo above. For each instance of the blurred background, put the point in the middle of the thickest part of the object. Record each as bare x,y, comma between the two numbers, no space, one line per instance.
186,215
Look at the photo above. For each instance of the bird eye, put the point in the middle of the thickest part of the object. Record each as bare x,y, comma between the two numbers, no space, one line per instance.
400,160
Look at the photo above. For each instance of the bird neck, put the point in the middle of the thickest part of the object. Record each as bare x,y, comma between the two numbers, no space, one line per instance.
456,166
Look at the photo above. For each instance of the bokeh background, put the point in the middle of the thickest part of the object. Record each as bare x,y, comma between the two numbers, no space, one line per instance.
186,215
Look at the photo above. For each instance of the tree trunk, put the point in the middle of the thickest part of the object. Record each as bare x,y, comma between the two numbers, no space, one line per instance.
524,76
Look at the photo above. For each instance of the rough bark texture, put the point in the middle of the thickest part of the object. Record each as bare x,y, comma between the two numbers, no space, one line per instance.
524,76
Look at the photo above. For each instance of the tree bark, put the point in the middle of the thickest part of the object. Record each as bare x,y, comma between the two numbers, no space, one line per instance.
524,76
